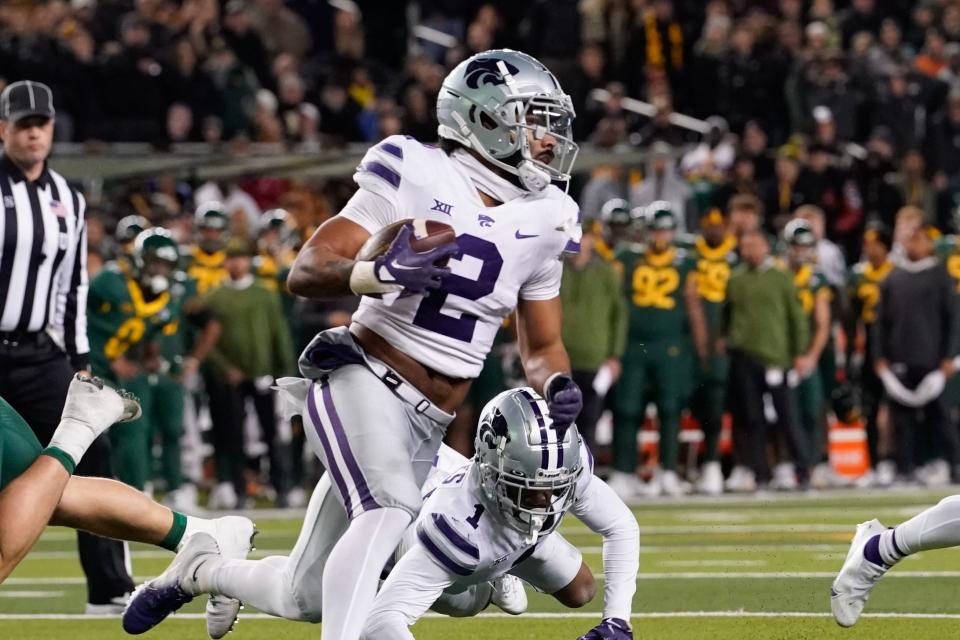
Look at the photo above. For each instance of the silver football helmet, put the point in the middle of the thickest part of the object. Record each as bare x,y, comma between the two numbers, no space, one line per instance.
489,102
528,468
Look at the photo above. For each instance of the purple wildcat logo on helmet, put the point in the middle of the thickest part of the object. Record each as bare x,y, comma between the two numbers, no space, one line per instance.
486,71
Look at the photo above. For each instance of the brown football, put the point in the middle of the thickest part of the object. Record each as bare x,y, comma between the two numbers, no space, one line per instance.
428,234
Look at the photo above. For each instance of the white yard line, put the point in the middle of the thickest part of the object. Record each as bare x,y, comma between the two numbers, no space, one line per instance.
542,615
680,575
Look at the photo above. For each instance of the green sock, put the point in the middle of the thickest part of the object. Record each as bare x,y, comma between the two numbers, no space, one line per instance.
176,532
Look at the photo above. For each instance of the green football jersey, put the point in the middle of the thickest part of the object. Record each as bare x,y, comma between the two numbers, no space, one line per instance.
120,320
714,265
948,249
863,288
810,283
654,285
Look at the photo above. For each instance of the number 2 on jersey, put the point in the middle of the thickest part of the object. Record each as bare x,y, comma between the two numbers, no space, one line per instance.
430,313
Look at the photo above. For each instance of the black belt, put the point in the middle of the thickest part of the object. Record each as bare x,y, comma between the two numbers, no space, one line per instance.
16,338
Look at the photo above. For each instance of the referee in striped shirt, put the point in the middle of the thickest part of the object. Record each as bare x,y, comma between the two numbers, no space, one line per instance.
43,298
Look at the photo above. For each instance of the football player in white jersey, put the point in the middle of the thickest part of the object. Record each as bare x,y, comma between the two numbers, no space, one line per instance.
498,515
378,396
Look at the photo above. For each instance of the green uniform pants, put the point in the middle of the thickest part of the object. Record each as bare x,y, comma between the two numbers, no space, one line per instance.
162,401
809,402
709,401
662,371
19,448
166,420
131,441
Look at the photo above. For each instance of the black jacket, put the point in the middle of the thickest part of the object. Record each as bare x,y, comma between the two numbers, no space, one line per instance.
915,317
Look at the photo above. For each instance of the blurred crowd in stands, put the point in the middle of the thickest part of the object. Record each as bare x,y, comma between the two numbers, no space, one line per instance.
825,131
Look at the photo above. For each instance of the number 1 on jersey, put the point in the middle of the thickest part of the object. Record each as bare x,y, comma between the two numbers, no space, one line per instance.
474,520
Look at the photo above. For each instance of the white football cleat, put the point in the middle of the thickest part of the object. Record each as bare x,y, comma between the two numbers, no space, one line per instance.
113,608
741,480
668,483
234,536
223,497
509,594
784,477
626,485
852,586
711,479
156,599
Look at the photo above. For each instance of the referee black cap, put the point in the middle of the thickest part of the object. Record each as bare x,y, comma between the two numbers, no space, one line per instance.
26,98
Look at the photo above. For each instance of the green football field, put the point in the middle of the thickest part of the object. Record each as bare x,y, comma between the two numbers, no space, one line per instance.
732,568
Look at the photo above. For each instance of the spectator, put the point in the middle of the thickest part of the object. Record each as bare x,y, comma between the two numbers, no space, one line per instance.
863,15
914,188
604,185
781,194
243,39
661,182
187,83
881,200
914,345
932,60
594,328
765,332
299,118
281,29
254,348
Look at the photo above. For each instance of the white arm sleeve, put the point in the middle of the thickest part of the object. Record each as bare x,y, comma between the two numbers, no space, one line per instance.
414,584
370,210
603,512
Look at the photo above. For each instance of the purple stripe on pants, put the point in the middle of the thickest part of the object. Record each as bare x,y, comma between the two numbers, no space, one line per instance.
331,461
362,490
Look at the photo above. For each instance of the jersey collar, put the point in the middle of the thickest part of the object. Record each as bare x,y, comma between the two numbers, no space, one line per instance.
877,273
143,308
802,277
661,259
205,259
715,253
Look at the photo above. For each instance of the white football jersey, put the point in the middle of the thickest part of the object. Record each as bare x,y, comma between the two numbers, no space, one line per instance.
455,527
507,253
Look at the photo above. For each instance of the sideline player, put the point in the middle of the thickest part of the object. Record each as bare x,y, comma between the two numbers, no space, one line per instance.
379,395
37,488
498,514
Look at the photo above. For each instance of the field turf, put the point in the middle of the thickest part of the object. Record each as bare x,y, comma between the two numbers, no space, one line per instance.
730,568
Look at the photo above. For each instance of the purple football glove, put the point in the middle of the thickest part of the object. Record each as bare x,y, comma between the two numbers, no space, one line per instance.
414,271
609,629
564,400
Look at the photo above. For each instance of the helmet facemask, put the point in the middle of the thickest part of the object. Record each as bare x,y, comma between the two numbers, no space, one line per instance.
512,493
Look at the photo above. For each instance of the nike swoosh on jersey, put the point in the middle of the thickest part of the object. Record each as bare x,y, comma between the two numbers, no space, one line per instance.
523,236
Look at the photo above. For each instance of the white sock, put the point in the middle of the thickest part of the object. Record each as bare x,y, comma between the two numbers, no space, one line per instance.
465,604
353,569
263,584
936,528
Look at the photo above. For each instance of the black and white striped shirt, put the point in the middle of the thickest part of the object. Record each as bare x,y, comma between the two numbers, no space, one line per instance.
43,255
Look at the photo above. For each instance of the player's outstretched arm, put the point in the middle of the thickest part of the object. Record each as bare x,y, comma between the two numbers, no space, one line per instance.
605,513
412,587
27,503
